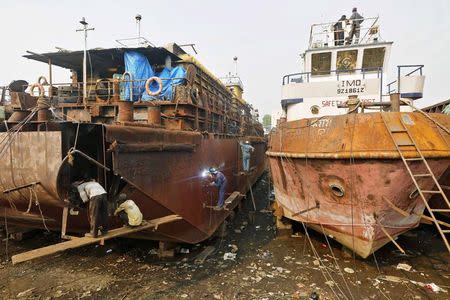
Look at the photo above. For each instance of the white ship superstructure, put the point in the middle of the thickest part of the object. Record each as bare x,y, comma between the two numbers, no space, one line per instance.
338,65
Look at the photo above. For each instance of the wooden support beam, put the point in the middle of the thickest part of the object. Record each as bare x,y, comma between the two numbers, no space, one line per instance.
64,221
83,241
204,254
229,201
424,219
251,194
21,187
391,238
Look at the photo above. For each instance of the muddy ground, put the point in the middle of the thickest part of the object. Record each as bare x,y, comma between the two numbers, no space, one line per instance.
267,266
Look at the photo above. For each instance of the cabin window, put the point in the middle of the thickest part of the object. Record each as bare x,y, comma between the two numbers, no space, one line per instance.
346,60
321,63
373,58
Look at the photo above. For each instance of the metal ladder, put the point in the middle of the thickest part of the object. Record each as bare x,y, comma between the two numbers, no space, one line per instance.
398,131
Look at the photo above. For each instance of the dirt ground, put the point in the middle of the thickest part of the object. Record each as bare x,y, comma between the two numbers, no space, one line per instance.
267,266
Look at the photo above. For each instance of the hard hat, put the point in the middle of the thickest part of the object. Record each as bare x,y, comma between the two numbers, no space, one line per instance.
247,142
212,170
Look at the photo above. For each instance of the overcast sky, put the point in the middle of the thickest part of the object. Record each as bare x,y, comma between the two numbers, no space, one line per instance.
266,36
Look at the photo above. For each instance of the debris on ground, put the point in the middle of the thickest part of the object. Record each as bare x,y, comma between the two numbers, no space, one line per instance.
25,293
264,254
229,256
390,278
435,288
349,270
233,247
402,266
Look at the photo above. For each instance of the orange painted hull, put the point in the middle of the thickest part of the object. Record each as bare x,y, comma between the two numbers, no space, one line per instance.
356,196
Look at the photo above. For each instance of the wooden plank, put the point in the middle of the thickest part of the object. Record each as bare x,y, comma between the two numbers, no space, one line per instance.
83,241
232,198
64,221
235,195
251,194
391,238
204,254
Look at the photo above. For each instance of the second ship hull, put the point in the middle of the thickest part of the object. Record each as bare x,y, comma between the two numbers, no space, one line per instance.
344,177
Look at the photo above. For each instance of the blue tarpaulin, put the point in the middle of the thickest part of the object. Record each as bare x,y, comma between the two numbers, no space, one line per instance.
139,67
170,79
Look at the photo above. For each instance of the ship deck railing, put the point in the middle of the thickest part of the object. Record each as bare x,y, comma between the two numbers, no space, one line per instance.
334,74
322,34
103,87
394,86
232,80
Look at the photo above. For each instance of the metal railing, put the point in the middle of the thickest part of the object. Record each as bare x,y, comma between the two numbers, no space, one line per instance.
105,89
300,77
400,68
231,80
324,34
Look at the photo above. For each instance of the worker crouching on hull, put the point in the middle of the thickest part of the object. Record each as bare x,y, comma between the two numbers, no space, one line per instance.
128,212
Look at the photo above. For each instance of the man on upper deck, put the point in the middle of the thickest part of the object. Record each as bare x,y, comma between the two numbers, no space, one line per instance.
356,19
339,31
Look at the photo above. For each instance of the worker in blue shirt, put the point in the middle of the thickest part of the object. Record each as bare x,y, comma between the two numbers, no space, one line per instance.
219,180
247,150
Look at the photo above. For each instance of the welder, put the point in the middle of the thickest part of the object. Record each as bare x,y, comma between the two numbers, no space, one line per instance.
247,150
90,191
220,181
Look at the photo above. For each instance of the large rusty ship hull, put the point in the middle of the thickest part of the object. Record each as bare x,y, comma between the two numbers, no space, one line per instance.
343,176
159,169
151,143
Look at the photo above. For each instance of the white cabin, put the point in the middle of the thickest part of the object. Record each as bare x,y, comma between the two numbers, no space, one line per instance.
337,66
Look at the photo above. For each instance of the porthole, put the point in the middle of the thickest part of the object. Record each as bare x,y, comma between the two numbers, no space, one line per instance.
337,190
414,194
315,109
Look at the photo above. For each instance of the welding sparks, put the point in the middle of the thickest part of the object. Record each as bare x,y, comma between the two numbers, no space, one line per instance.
204,173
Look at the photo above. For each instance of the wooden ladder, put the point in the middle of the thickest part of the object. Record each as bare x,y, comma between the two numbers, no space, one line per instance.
402,138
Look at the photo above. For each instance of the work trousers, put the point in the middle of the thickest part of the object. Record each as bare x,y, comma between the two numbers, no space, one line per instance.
246,164
354,32
221,195
98,214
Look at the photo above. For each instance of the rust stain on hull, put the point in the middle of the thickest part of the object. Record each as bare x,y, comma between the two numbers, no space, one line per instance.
160,182
350,191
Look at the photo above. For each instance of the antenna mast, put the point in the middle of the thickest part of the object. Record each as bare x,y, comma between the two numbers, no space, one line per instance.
235,65
85,29
138,18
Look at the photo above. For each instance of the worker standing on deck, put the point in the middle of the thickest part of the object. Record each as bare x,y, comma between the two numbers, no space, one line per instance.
219,180
128,211
339,31
247,150
92,192
356,19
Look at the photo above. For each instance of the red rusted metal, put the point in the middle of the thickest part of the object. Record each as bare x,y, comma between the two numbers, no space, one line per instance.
126,147
348,165
154,115
125,111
